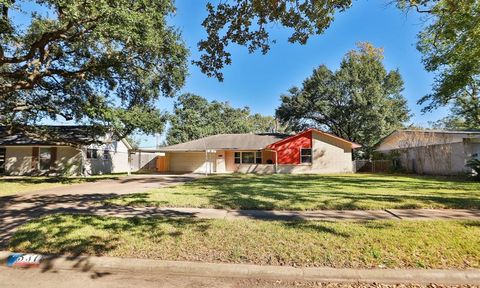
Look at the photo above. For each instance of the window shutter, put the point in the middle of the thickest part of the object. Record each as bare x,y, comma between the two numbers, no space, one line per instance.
35,152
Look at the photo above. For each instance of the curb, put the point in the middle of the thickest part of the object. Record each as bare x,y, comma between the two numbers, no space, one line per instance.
322,274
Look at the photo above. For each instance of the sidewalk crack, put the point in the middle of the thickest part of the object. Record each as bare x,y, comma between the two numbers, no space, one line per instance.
393,214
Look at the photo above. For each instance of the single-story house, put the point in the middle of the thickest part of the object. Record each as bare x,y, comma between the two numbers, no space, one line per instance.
432,151
68,150
311,151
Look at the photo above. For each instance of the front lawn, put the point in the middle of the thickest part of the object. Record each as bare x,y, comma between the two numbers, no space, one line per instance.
394,244
311,192
17,185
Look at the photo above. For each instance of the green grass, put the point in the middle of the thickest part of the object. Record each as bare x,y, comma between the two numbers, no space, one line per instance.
311,192
394,244
12,186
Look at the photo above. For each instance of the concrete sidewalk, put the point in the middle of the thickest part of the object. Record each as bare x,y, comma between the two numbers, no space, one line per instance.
318,215
112,265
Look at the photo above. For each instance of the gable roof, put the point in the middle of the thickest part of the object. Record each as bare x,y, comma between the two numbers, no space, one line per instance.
247,141
352,144
243,142
52,135
422,138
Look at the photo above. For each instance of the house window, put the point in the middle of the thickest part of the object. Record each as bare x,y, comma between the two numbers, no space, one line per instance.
106,155
92,154
305,155
258,157
248,157
45,156
237,158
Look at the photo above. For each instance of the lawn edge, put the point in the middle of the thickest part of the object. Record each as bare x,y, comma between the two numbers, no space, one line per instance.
202,269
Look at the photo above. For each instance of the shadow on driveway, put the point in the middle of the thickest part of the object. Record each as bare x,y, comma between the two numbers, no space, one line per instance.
81,199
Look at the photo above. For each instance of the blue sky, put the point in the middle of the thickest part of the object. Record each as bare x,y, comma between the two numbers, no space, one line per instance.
257,80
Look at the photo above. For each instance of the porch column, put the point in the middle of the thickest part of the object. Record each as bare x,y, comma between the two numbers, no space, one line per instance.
276,162
82,161
206,162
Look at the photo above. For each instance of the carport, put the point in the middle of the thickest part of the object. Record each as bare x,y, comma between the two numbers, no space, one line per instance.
179,161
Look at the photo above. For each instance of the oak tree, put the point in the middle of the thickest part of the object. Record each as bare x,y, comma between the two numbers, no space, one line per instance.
361,101
195,117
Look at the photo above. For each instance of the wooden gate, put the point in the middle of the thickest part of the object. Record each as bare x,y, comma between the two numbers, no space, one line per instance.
162,165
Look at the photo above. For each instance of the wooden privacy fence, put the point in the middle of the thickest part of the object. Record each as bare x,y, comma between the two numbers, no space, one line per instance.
373,166
144,161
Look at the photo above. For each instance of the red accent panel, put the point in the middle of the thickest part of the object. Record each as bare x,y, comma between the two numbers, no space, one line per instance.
288,152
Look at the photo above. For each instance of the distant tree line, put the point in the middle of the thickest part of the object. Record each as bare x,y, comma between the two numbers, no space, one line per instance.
361,102
195,117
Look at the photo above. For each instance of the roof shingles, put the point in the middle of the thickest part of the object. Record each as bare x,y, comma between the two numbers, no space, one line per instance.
228,142
51,135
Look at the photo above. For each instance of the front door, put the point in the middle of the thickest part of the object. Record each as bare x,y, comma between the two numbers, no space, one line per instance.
220,165
2,160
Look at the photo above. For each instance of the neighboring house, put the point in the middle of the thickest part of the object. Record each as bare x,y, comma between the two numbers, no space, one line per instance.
67,152
311,151
432,151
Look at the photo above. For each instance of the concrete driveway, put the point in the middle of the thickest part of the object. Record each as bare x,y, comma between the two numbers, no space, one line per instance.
15,210
123,185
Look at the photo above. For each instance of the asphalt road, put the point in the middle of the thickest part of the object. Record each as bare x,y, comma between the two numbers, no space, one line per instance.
10,277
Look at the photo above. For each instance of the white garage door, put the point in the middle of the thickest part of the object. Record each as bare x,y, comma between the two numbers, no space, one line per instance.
187,162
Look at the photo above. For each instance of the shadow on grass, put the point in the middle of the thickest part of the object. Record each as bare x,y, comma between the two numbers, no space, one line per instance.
339,192
80,236
317,227
62,180
312,192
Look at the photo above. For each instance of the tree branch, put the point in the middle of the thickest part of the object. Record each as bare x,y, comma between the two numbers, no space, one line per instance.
46,38
419,10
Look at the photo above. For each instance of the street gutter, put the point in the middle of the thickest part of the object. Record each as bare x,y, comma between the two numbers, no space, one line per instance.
197,269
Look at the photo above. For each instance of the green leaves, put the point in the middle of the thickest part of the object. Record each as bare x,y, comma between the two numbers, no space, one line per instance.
451,47
361,101
194,117
244,22
123,54
91,61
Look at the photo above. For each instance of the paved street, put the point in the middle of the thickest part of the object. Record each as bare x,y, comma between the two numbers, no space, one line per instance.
90,271
72,279
18,278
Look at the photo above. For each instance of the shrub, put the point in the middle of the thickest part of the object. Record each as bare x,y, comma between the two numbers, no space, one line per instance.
475,165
